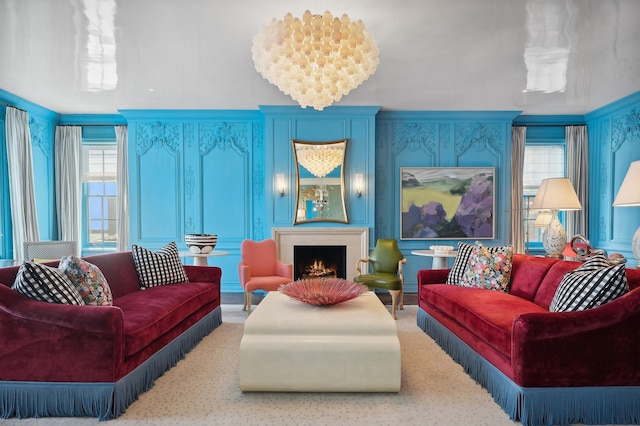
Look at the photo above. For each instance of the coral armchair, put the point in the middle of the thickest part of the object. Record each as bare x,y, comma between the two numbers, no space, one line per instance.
386,260
260,269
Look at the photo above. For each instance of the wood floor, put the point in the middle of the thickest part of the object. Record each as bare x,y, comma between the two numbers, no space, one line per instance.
238,298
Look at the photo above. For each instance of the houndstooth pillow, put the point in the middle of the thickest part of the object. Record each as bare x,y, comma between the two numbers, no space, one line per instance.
158,268
46,284
592,284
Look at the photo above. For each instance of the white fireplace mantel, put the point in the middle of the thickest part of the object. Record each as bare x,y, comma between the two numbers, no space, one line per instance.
355,239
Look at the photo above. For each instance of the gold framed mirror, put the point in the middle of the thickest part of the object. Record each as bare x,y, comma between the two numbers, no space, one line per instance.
320,192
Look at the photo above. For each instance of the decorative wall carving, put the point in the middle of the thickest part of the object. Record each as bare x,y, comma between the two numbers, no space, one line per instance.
477,136
224,136
40,136
415,137
445,136
189,183
626,127
166,135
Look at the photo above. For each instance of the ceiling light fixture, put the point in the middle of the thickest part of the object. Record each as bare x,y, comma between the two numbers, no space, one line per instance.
317,59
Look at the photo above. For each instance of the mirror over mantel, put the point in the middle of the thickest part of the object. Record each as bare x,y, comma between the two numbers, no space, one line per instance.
320,190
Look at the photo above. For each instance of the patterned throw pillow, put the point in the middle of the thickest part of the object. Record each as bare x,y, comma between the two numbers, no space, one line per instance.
462,259
592,284
88,280
158,268
490,269
46,284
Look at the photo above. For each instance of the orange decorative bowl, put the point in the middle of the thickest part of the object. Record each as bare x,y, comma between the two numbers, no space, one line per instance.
323,291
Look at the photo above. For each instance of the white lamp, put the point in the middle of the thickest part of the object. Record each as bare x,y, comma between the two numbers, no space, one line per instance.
629,196
555,194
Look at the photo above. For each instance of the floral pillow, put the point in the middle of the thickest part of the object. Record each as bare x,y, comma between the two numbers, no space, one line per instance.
489,268
88,280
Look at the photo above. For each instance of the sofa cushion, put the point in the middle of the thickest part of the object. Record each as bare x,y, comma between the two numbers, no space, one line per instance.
88,280
487,315
46,284
594,283
490,270
158,268
151,313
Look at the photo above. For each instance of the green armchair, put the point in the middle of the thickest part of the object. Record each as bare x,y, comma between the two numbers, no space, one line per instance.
386,260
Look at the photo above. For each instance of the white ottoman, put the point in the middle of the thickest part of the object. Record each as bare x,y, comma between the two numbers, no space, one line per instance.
290,346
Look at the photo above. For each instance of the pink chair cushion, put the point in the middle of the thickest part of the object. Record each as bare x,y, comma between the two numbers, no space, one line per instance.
269,283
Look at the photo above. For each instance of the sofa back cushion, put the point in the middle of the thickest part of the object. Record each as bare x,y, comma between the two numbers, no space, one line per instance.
551,281
527,274
119,271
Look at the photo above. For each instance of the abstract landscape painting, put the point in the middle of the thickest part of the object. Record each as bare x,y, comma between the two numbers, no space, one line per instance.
447,202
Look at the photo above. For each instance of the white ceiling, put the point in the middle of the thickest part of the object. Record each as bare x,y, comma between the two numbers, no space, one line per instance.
100,56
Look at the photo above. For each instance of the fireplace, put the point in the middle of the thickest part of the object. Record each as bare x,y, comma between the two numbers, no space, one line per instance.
355,239
319,262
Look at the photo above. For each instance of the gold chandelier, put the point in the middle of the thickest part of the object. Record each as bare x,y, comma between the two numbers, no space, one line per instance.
316,60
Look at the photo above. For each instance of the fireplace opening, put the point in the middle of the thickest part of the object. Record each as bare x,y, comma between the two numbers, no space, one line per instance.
319,262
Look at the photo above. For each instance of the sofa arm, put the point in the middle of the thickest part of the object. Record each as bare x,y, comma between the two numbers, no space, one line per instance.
595,347
206,274
54,342
432,276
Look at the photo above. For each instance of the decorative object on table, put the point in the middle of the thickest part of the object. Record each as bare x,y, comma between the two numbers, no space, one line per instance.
323,291
317,59
447,202
386,260
201,243
320,188
441,249
555,194
629,196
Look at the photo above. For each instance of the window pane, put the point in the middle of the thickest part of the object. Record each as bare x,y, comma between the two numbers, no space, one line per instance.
96,188
110,188
541,162
100,177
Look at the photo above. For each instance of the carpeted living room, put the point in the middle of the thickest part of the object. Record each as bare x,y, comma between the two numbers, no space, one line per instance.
366,212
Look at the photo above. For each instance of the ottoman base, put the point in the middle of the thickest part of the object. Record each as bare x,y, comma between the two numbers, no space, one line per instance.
289,346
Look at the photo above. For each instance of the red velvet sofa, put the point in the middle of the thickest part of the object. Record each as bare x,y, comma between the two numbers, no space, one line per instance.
67,360
541,367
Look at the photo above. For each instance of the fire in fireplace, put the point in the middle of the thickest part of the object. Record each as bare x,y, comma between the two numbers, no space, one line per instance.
319,262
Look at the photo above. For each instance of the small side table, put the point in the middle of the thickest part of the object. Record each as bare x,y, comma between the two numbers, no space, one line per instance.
201,259
439,258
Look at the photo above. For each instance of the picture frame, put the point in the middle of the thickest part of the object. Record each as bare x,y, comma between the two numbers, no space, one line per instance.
447,203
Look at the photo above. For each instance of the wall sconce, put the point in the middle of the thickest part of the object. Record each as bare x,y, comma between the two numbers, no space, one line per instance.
358,183
280,183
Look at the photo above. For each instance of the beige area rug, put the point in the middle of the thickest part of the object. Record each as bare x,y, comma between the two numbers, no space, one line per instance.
202,389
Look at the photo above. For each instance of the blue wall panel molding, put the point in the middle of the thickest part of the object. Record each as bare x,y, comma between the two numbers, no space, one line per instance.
438,139
614,143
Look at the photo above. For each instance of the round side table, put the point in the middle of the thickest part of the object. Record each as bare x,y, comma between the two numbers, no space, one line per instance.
439,258
202,259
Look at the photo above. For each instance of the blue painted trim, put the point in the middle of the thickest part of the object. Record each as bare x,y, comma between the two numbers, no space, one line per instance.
538,406
614,107
102,400
189,115
448,115
92,120
549,120
34,109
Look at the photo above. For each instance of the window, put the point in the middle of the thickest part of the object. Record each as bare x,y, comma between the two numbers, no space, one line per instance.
99,195
541,161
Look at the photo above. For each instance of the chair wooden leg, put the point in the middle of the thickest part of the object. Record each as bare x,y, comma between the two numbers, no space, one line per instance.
244,296
394,301
247,301
401,299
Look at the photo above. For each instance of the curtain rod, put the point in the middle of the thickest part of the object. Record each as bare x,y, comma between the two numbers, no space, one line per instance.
12,106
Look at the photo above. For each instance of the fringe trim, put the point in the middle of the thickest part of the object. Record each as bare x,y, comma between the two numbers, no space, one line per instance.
102,400
538,406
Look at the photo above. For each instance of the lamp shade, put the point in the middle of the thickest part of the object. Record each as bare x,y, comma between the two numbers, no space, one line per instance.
629,192
556,194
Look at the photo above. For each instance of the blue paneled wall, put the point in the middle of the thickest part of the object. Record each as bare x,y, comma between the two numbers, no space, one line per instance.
614,143
213,171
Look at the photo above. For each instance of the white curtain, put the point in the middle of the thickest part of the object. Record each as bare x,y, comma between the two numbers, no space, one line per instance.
68,158
578,172
123,188
518,139
21,192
